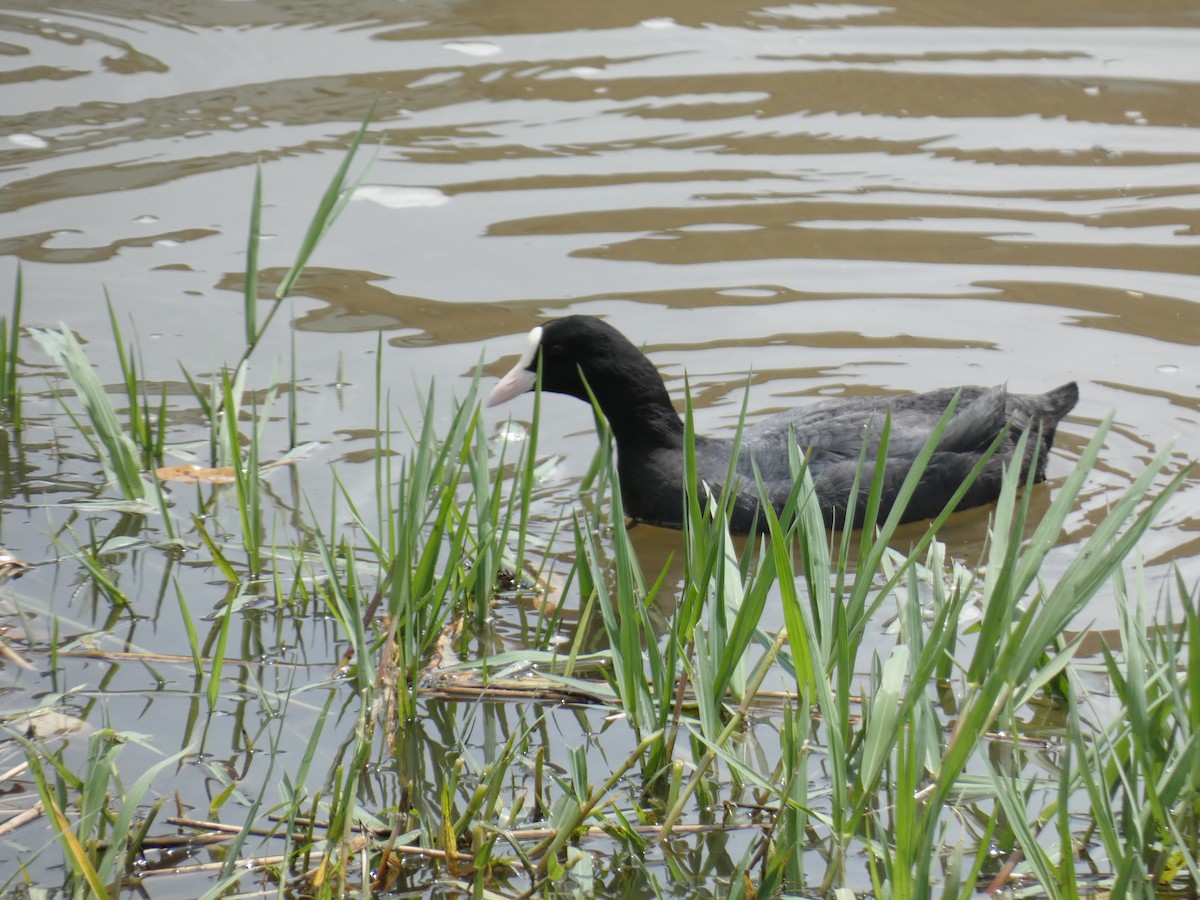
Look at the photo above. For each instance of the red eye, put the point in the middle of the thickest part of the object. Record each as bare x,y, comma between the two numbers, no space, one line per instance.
555,350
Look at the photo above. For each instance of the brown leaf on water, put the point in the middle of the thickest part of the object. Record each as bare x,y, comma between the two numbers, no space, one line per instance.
443,652
193,474
541,593
45,724
548,598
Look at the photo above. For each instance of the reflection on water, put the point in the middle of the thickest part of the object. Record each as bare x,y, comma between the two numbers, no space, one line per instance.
821,199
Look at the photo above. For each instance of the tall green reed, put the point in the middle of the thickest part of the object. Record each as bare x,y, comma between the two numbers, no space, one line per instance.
414,594
1015,655
334,199
110,443
1141,771
146,424
896,744
435,560
93,812
10,339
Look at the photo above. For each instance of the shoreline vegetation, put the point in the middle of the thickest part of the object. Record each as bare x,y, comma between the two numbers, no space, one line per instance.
981,750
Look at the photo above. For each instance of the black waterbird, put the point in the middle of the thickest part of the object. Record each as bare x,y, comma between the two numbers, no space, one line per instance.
650,435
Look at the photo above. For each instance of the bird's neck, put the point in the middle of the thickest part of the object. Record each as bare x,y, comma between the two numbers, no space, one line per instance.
641,414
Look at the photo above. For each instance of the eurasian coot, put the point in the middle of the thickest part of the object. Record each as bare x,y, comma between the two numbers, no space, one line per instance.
650,434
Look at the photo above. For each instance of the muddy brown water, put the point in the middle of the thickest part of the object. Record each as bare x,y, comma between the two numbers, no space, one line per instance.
836,198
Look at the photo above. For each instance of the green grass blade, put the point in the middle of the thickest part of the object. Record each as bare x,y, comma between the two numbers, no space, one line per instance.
332,202
250,284
119,456
10,336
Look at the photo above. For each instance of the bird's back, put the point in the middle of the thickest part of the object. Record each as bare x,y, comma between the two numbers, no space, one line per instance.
832,433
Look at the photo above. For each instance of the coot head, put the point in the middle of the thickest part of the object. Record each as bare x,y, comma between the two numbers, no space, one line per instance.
572,347
627,387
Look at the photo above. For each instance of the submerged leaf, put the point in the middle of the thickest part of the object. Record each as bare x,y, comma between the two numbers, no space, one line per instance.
11,567
47,724
101,504
297,453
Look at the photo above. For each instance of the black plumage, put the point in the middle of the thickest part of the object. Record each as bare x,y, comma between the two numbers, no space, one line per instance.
649,434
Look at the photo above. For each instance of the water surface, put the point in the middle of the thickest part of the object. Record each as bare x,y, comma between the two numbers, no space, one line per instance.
832,198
